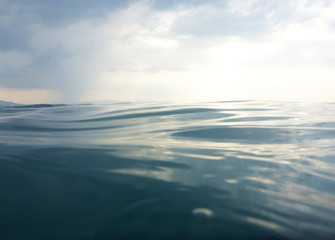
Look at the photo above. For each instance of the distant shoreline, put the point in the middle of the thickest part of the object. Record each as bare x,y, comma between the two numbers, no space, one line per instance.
5,103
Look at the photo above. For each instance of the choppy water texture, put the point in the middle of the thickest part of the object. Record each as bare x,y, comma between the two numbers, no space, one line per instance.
224,170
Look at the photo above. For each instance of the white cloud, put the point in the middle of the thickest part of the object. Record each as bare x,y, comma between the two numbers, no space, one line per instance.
241,7
283,64
140,53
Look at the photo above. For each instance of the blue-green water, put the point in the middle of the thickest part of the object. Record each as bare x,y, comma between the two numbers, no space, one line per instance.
223,170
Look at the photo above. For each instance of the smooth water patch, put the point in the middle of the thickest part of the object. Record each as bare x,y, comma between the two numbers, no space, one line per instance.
221,170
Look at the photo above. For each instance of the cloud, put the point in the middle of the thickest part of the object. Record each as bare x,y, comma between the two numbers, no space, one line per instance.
132,50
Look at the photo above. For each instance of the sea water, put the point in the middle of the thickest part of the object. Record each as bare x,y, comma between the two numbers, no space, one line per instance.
219,170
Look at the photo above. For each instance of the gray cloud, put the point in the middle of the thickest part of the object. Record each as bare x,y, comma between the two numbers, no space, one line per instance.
48,62
65,45
61,11
19,17
171,4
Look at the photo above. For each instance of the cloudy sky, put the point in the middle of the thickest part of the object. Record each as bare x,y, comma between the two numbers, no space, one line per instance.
177,50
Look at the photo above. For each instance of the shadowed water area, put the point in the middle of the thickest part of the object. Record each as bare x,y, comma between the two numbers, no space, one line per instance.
221,170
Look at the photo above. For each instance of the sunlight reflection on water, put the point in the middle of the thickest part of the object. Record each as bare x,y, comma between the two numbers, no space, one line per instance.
264,167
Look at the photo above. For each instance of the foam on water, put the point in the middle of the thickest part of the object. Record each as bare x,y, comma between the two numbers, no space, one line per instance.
221,170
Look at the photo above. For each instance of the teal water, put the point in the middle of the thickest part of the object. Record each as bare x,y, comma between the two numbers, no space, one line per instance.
221,170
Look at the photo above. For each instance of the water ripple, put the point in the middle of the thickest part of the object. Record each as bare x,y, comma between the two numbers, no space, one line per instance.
155,171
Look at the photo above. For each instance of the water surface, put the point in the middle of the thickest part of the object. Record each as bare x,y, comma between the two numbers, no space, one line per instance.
221,170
